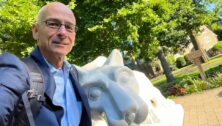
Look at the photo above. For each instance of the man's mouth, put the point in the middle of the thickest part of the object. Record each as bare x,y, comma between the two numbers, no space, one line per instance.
59,43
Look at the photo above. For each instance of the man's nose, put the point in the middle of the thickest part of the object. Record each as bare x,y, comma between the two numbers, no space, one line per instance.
62,31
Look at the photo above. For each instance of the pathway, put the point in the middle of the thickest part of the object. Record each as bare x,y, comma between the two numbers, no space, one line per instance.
202,109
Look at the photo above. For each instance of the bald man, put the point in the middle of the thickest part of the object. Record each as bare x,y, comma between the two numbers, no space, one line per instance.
65,103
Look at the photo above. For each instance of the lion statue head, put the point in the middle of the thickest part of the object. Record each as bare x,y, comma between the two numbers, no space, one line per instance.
119,96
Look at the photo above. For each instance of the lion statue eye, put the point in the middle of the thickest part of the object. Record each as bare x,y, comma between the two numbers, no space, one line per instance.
125,77
123,74
94,93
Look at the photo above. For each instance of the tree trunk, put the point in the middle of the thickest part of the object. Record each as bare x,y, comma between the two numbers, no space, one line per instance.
165,65
194,42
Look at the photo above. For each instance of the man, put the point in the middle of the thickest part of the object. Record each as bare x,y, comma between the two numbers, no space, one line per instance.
66,104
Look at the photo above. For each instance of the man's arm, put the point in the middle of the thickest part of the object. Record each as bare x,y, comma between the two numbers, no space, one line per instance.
13,83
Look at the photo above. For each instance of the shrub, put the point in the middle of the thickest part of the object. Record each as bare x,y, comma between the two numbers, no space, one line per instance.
197,86
191,83
217,48
215,81
176,90
171,61
187,85
214,71
180,62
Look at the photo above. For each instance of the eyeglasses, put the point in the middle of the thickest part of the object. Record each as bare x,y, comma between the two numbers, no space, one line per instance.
57,25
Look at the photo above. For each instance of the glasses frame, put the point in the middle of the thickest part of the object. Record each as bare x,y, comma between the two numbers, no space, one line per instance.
47,23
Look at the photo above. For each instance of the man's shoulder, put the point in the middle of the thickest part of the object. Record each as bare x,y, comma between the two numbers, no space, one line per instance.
13,73
12,61
9,58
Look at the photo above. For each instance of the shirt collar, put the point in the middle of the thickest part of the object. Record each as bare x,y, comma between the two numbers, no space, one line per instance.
66,66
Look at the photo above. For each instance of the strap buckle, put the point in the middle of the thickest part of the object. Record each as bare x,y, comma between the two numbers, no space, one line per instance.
34,94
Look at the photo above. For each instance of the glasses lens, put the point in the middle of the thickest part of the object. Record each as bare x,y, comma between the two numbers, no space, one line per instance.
57,25
70,27
53,24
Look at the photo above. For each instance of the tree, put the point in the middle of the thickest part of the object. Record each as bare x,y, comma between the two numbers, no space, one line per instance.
168,73
217,28
95,36
17,17
138,27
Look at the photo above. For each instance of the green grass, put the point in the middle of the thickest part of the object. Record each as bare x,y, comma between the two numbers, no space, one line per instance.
190,70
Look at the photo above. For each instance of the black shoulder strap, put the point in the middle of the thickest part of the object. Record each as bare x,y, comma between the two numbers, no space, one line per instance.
34,97
36,77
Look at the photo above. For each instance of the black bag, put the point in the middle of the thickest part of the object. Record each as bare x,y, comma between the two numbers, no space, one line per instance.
31,101
29,105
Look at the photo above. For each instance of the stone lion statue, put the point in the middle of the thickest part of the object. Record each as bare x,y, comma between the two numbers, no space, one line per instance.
119,96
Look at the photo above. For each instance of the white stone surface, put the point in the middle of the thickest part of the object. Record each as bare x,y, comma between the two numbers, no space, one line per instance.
119,96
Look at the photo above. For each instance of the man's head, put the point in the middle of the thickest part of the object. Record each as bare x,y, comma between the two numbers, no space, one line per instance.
55,30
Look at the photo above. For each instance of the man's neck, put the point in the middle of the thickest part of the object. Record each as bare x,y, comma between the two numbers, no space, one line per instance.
55,60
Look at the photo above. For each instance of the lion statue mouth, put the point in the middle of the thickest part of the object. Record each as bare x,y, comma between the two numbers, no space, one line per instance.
119,96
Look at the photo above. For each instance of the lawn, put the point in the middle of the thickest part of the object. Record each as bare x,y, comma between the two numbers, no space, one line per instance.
187,79
189,70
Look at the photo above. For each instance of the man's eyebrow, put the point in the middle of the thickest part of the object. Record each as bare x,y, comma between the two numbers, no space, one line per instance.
57,20
52,19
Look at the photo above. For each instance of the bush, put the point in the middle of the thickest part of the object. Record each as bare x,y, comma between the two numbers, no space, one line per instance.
181,62
176,90
190,85
214,71
171,61
197,86
217,49
193,85
215,81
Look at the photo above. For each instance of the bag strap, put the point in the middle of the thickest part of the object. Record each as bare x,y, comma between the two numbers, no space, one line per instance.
28,109
34,97
36,79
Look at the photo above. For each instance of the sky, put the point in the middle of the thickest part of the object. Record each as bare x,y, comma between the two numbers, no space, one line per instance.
211,7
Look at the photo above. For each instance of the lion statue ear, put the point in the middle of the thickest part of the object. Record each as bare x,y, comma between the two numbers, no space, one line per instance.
115,59
98,62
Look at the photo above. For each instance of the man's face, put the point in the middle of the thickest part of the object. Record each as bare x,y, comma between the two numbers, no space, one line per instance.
52,37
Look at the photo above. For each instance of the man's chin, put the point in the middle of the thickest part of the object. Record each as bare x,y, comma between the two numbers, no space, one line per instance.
59,53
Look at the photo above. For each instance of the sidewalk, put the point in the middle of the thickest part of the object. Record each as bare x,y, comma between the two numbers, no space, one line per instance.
202,109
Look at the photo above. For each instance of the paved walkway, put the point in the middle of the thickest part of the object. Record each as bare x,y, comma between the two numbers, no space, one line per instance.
202,109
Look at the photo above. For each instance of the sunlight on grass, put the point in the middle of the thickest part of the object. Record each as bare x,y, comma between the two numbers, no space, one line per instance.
190,70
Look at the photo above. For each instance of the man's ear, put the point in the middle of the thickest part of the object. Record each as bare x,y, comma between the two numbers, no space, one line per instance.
35,31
